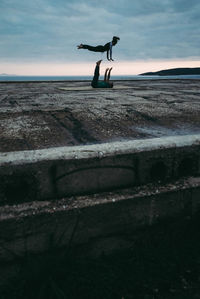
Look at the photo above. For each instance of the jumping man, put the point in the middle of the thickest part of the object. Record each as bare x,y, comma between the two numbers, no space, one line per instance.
107,47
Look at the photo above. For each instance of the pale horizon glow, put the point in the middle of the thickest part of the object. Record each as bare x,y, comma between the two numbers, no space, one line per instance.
41,37
120,68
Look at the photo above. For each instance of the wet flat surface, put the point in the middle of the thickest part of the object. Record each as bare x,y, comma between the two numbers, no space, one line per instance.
36,115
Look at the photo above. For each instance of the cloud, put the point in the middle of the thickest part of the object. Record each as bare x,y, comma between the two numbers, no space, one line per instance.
47,30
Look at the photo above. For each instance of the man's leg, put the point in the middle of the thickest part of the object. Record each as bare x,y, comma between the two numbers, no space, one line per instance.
105,75
109,74
96,74
91,48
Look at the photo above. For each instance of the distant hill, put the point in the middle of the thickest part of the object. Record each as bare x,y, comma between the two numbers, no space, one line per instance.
175,72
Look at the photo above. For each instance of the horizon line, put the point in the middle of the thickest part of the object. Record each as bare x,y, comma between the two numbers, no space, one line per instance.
120,68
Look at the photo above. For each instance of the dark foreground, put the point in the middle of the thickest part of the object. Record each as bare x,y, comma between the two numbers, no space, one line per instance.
164,263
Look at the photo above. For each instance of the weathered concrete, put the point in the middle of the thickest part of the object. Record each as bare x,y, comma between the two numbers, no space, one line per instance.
60,172
61,185
36,115
163,176
93,223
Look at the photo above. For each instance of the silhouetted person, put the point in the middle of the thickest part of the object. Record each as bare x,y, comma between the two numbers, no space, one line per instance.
107,47
101,84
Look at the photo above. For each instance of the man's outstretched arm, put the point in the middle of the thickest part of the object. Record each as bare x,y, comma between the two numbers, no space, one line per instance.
111,52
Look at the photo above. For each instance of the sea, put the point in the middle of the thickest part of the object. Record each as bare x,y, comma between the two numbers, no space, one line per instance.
8,78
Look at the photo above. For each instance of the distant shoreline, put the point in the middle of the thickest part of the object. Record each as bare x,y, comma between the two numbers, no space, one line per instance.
12,79
174,72
166,73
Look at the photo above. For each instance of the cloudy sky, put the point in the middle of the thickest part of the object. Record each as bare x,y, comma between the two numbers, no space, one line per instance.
40,36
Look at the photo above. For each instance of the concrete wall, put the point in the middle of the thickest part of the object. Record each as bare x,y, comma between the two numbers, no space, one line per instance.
124,186
66,171
93,224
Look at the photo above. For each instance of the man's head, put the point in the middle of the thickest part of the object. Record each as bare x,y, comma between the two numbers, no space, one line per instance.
115,40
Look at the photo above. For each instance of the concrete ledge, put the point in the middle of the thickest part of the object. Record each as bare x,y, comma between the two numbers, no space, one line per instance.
96,223
65,171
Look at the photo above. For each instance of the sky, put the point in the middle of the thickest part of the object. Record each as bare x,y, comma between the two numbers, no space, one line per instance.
40,37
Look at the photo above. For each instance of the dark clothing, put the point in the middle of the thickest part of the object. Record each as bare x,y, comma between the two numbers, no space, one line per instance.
106,48
99,48
95,81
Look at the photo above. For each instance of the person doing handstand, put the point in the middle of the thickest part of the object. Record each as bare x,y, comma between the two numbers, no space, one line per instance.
101,84
107,47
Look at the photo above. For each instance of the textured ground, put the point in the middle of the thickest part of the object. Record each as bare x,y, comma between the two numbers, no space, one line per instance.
36,115
164,262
